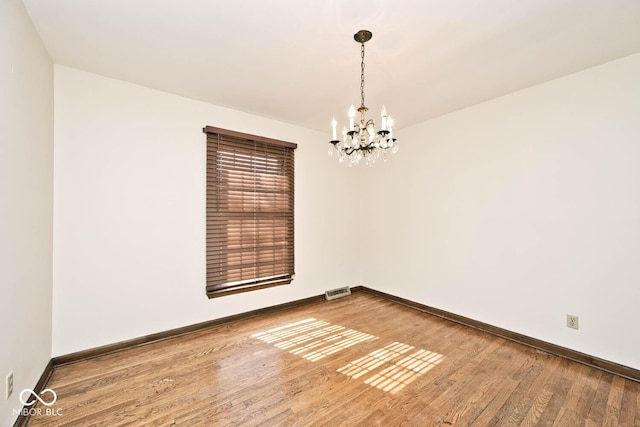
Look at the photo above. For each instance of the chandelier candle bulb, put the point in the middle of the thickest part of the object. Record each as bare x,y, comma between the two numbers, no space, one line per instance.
352,115
333,126
383,125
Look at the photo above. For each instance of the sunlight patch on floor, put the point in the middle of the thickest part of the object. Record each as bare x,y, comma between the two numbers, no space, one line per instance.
394,368
313,339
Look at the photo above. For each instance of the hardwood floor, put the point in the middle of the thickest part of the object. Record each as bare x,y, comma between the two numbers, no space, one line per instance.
359,360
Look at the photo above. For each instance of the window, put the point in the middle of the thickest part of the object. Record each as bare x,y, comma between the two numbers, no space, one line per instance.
250,195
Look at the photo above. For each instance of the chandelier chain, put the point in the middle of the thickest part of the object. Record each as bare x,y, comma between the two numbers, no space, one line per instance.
362,76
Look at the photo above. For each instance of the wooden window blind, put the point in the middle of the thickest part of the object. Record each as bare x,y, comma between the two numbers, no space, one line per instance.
250,212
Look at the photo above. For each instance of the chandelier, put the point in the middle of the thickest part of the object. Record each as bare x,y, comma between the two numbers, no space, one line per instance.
361,142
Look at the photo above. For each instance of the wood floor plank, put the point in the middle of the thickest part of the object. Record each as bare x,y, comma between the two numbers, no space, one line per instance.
629,396
612,414
359,360
598,409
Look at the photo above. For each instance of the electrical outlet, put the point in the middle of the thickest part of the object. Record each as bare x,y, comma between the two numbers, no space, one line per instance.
9,385
572,321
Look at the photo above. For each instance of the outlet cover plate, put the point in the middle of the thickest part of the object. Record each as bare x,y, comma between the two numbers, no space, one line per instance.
9,383
572,321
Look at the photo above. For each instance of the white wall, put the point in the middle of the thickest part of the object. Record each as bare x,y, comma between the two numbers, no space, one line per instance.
129,212
520,210
26,202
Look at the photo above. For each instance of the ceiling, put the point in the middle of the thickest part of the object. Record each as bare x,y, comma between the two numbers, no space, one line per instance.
296,60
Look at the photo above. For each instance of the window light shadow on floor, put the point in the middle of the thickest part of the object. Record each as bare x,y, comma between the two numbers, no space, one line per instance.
313,339
389,369
394,368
